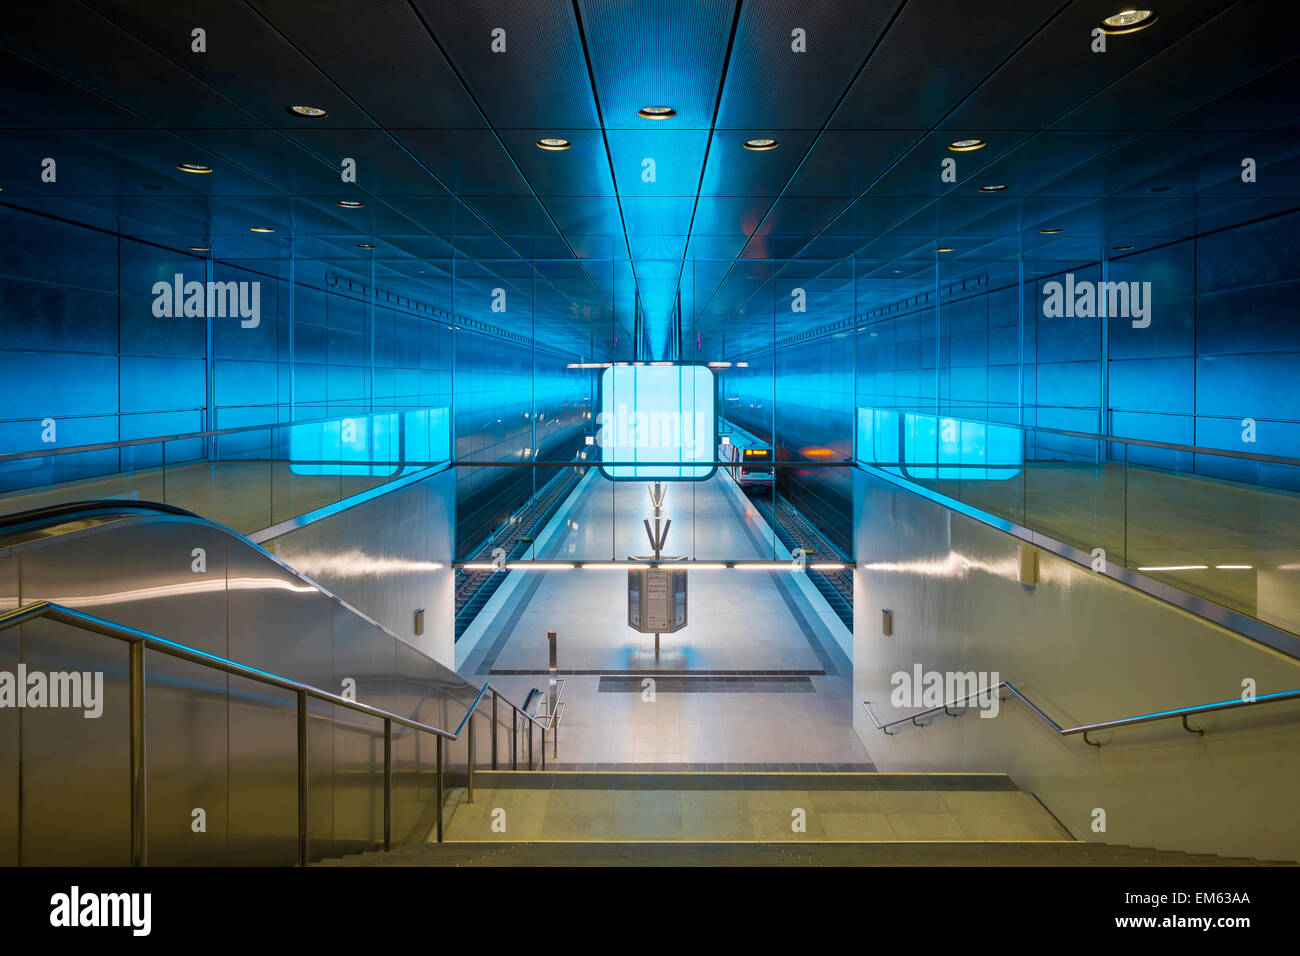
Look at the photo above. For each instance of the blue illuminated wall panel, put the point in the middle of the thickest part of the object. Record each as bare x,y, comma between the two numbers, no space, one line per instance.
1223,345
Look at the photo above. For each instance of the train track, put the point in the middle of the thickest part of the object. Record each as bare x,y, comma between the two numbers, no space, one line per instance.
475,588
795,531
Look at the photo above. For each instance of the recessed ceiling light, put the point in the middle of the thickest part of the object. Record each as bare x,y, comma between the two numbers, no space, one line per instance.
992,189
261,229
193,168
966,145
315,112
350,204
1049,232
365,245
943,249
761,144
1128,21
199,249
553,143
656,112
1121,248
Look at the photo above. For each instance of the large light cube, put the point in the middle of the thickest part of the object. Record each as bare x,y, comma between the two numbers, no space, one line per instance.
657,421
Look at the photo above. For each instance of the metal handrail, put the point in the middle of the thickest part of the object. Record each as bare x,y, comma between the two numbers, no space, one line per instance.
138,640
1085,729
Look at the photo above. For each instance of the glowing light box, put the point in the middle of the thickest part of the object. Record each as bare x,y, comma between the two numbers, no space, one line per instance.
657,413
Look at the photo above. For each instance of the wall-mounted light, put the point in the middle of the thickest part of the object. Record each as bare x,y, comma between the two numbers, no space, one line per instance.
1027,564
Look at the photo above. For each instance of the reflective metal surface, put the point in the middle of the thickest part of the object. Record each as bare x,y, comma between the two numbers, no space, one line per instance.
220,778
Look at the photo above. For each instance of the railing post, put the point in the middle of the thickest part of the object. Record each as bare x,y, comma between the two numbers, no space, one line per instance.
388,783
303,838
469,761
139,825
439,786
530,743
514,737
494,729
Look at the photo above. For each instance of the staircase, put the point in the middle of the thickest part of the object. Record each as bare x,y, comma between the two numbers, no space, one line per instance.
578,818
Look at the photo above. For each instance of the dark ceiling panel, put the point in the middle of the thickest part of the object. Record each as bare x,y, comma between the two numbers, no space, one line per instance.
384,60
247,61
35,96
771,86
468,162
935,54
541,77
629,42
91,51
1057,69
1232,45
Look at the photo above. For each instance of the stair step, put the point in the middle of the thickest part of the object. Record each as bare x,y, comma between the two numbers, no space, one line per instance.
643,853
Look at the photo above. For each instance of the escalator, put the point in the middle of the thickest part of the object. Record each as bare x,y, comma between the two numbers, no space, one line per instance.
228,710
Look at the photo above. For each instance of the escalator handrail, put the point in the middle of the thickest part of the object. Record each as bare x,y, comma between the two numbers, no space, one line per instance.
98,625
71,508
51,513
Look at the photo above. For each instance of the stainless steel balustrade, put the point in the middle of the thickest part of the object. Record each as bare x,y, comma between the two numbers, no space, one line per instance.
140,640
1085,729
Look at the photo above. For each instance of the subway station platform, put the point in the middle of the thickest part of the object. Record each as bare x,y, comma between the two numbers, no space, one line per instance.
758,676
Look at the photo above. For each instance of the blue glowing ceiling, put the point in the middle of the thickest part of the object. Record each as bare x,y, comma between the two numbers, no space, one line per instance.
1139,145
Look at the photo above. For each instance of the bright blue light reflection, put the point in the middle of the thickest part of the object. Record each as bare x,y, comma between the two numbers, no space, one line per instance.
372,445
919,446
657,413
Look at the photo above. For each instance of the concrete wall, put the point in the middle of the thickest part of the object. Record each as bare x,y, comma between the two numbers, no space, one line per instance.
387,557
1084,648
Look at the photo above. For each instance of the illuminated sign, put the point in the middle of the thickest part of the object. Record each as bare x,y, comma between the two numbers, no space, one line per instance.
657,413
